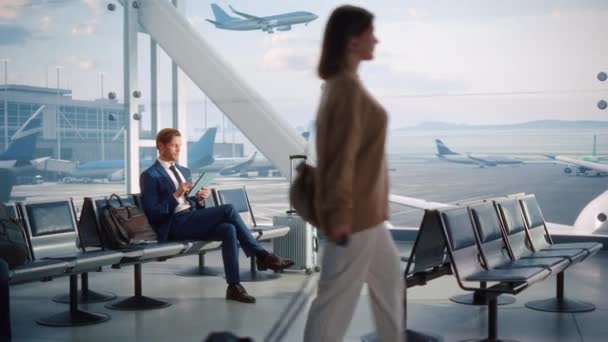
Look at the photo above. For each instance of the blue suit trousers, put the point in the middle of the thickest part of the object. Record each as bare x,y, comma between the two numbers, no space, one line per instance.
222,223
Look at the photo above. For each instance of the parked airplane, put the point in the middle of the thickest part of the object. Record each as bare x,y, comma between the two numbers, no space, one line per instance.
243,166
582,167
17,161
18,157
444,153
593,157
582,164
280,22
200,154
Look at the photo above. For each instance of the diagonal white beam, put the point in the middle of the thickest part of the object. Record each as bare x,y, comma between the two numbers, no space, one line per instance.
245,107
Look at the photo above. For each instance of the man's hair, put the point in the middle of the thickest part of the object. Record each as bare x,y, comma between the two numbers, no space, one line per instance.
344,23
165,135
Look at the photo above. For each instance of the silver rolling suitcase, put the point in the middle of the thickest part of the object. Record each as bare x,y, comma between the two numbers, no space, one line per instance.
301,244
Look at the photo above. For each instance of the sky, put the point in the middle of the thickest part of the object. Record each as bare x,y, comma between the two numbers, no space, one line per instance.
465,61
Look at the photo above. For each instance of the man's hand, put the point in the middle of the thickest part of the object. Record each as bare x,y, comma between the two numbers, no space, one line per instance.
202,194
339,234
182,189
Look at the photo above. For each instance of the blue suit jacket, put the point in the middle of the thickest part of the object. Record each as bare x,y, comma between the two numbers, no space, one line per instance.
157,198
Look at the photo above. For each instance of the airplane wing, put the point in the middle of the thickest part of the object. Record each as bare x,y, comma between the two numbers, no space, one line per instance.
481,160
245,15
598,167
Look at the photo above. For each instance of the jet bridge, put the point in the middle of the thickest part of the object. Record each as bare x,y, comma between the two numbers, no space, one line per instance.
245,107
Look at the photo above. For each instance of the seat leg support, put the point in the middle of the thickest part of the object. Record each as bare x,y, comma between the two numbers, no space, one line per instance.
85,294
560,303
74,316
138,302
478,298
201,270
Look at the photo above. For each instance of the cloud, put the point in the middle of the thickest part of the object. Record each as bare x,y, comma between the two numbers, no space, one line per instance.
45,23
86,28
291,52
82,63
379,75
14,35
10,9
196,20
95,6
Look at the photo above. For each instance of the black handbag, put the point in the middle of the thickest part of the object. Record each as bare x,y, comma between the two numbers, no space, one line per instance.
125,224
302,191
13,245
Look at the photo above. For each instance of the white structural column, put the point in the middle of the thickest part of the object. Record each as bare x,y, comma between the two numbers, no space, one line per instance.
178,96
130,80
154,113
245,107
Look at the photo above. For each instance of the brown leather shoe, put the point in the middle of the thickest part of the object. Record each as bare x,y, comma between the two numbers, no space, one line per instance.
273,262
237,293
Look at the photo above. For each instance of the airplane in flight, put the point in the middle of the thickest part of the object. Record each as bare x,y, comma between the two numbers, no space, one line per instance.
444,153
200,155
248,22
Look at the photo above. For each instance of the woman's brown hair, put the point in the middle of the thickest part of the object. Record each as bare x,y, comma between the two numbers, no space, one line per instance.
344,23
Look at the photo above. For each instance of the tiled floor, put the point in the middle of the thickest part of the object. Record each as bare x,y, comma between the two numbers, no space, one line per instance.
199,308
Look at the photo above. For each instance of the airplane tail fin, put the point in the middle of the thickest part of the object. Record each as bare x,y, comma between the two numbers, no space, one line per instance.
203,148
213,22
594,151
443,150
23,146
220,15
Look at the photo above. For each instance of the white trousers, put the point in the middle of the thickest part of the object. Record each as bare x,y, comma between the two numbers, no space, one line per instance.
371,257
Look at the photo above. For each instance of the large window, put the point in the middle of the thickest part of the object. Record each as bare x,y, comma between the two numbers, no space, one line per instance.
480,93
55,54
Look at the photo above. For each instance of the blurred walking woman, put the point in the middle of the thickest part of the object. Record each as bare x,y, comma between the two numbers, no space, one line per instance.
352,189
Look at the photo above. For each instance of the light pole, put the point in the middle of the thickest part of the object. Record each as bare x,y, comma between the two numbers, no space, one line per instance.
58,115
5,60
103,119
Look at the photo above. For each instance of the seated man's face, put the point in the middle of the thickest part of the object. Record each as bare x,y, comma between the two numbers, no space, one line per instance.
170,151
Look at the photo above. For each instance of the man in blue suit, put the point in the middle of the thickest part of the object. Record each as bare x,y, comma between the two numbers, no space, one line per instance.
174,216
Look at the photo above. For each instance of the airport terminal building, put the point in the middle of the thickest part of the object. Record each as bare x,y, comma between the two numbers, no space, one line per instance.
86,130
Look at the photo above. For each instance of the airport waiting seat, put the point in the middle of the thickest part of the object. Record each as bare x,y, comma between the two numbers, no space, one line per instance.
51,231
516,233
12,211
262,232
34,270
93,236
470,264
497,251
540,238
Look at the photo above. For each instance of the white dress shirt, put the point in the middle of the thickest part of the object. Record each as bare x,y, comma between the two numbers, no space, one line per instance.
182,204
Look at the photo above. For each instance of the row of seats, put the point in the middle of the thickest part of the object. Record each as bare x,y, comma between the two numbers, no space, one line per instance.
503,242
59,246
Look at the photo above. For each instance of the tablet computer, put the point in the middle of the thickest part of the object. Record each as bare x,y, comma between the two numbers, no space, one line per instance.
203,180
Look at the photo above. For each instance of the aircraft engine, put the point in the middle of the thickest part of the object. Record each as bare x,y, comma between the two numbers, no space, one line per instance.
284,28
117,176
568,170
268,25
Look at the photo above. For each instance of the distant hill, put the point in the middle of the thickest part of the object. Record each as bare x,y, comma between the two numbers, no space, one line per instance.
540,124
